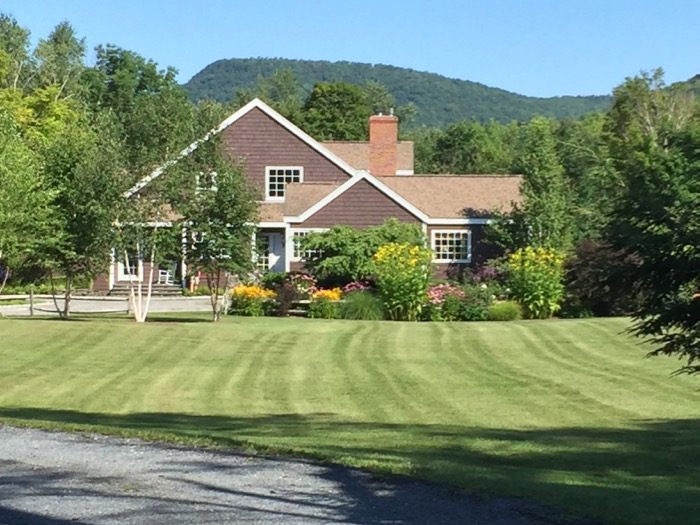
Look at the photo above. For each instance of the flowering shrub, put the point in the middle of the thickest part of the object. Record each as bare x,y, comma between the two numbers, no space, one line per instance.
356,286
535,280
486,274
324,304
333,294
304,284
448,302
251,300
438,292
402,274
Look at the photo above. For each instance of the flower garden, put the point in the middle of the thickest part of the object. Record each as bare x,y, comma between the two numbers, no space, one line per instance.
399,286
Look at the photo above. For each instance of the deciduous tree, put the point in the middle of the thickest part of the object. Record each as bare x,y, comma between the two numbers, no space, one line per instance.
655,135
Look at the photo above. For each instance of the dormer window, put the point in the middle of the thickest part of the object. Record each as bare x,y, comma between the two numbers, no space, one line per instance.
277,178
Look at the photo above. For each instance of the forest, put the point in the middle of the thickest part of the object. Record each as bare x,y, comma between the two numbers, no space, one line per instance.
438,100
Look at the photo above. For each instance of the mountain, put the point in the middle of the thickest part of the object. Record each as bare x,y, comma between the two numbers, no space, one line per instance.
439,100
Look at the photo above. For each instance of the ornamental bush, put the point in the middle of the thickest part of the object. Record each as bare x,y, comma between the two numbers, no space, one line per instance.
444,303
535,279
504,311
402,272
362,305
324,304
477,300
251,300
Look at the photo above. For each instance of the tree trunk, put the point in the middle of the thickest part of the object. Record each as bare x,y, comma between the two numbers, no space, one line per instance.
4,279
67,296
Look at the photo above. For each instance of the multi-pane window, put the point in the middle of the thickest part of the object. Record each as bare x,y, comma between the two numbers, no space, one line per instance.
298,253
277,178
262,250
451,245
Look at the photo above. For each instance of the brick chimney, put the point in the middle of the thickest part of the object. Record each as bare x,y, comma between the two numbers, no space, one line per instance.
383,136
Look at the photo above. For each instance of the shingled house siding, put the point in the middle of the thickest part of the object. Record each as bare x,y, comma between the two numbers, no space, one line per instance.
360,206
261,142
481,251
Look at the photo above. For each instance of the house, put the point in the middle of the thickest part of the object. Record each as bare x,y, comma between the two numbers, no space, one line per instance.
307,185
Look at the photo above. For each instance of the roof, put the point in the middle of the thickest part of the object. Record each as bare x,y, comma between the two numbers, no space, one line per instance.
356,153
271,211
301,196
458,196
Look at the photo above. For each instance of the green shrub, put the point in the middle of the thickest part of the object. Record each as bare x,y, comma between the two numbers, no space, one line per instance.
273,280
573,308
504,311
476,302
535,279
323,309
362,306
344,254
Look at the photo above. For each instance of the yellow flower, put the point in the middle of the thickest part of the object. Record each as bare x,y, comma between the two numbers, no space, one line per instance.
252,292
333,294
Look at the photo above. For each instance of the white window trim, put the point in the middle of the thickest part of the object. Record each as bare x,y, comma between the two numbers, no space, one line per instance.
290,240
452,261
267,180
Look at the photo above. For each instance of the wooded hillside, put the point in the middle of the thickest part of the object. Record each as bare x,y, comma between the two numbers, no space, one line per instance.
439,100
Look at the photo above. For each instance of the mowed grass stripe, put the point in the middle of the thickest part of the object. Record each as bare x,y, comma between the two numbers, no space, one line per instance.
574,355
557,379
352,365
562,412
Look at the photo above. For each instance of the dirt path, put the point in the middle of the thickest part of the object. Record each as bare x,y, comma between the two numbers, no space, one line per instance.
51,478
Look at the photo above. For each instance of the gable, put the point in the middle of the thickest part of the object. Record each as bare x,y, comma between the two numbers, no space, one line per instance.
360,206
260,141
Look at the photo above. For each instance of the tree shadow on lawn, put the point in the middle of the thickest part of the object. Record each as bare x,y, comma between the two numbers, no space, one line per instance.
174,317
646,473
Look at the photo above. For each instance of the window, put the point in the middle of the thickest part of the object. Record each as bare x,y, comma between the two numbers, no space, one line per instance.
454,246
262,250
298,254
205,182
277,178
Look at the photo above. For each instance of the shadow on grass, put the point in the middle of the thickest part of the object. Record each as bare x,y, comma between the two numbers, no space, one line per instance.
649,473
174,317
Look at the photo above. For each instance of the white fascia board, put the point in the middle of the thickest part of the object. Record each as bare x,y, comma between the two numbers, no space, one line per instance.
457,222
255,103
386,190
327,199
271,224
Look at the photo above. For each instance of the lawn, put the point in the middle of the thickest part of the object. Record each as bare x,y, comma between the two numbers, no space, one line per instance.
566,413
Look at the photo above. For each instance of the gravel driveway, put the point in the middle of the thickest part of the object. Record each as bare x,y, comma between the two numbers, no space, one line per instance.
51,478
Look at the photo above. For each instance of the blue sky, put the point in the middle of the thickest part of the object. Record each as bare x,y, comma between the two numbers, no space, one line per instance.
536,47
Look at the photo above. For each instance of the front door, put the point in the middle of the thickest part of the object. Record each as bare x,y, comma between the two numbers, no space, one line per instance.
270,247
134,272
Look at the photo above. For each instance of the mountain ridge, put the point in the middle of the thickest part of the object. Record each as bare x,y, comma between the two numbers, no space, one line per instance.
440,100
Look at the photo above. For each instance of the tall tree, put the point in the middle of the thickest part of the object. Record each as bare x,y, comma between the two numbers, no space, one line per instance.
83,168
16,67
27,225
337,111
281,90
152,109
590,173
59,61
655,136
218,210
544,219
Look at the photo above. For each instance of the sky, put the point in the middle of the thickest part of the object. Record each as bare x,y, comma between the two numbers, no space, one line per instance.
537,47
